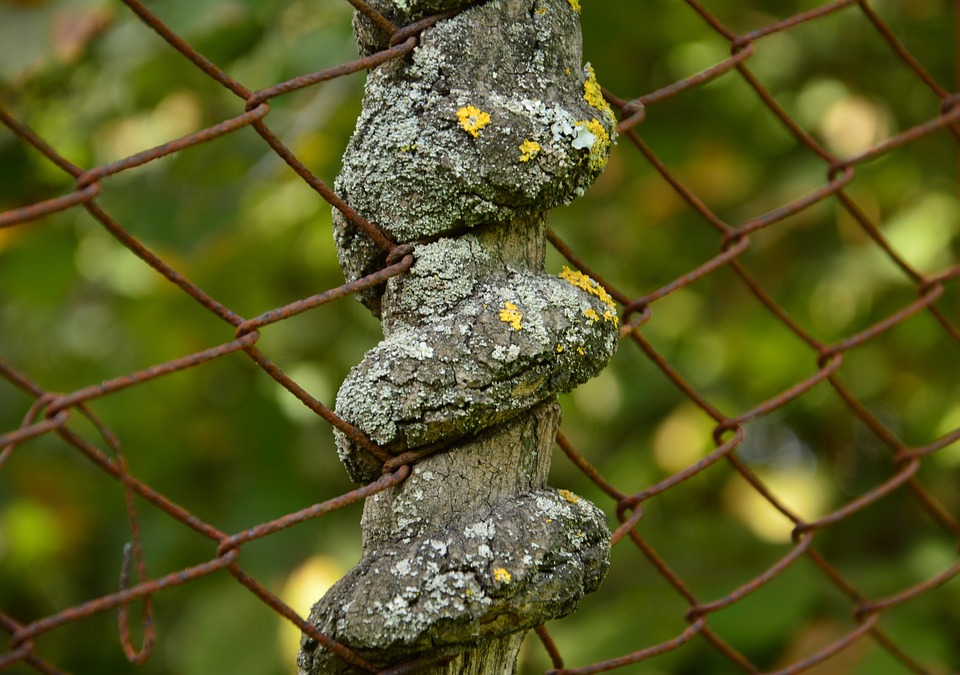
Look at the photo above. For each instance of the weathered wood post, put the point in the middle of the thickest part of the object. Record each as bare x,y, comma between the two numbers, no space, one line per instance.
460,150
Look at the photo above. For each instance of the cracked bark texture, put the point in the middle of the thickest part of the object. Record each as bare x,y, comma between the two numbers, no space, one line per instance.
460,150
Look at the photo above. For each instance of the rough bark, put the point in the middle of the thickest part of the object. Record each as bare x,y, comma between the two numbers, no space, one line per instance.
460,150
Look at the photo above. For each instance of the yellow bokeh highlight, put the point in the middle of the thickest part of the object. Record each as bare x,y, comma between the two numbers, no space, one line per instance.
683,438
178,114
801,490
302,588
853,124
949,456
600,398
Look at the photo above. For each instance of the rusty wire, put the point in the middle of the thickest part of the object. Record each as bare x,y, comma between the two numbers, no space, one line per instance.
52,413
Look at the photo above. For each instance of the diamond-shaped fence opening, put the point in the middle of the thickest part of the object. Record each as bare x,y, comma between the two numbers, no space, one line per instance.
775,442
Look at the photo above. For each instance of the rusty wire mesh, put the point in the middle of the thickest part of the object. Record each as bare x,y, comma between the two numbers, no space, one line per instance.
901,480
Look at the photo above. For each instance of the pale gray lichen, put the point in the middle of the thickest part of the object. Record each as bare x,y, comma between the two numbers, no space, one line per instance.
503,336
417,173
553,553
371,38
460,150
475,378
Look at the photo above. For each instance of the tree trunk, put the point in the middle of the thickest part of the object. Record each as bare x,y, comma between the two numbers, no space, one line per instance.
460,150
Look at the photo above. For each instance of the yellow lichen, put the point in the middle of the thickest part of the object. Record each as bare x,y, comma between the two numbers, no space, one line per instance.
592,93
473,119
502,575
599,151
580,351
559,348
591,314
569,496
512,315
575,4
528,150
541,10
582,281
595,128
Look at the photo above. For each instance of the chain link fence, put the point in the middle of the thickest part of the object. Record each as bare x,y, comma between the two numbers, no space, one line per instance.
792,510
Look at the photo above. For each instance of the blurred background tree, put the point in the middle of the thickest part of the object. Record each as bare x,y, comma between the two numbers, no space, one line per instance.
236,449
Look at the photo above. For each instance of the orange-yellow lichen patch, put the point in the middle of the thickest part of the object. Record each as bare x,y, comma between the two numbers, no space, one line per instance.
528,150
472,119
582,281
592,93
569,496
575,4
595,128
502,575
591,314
512,315
600,149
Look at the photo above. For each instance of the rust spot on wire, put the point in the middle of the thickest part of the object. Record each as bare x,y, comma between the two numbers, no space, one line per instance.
30,430
831,650
311,79
46,207
199,60
113,600
282,609
702,610
635,657
89,177
315,511
368,228
550,646
151,373
588,469
378,19
133,654
300,306
874,608
791,22
639,105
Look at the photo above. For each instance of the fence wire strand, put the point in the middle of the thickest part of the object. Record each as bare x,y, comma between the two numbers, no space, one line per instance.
51,413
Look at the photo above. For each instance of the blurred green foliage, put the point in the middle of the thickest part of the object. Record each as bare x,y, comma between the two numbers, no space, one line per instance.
234,448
